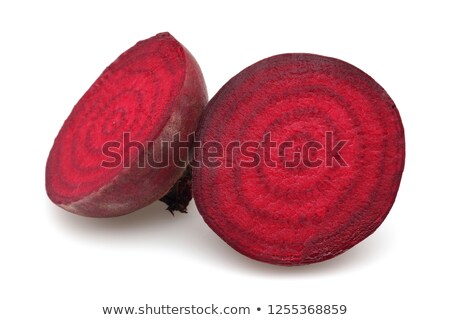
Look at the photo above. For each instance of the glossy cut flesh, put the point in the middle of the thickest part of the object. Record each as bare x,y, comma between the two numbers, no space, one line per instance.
295,216
152,91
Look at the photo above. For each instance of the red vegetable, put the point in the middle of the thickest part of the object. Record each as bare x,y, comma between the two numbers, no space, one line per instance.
151,92
344,127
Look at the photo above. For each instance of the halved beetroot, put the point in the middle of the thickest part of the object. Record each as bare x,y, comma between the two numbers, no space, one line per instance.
151,92
280,210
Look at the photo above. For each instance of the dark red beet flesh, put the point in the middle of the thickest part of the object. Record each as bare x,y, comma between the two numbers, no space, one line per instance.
152,91
305,214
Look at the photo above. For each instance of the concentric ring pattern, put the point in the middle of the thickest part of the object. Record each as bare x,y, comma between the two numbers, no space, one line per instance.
134,95
282,211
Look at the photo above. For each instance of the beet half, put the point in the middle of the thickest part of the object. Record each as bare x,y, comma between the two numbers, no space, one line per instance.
342,191
151,92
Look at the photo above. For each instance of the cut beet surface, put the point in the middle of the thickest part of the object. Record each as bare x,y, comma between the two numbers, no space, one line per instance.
337,196
151,92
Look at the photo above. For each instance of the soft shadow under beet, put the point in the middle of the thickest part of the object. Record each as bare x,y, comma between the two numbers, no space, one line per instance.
152,216
207,246
357,257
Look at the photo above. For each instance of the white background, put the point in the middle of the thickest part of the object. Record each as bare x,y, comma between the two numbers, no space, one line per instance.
56,265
